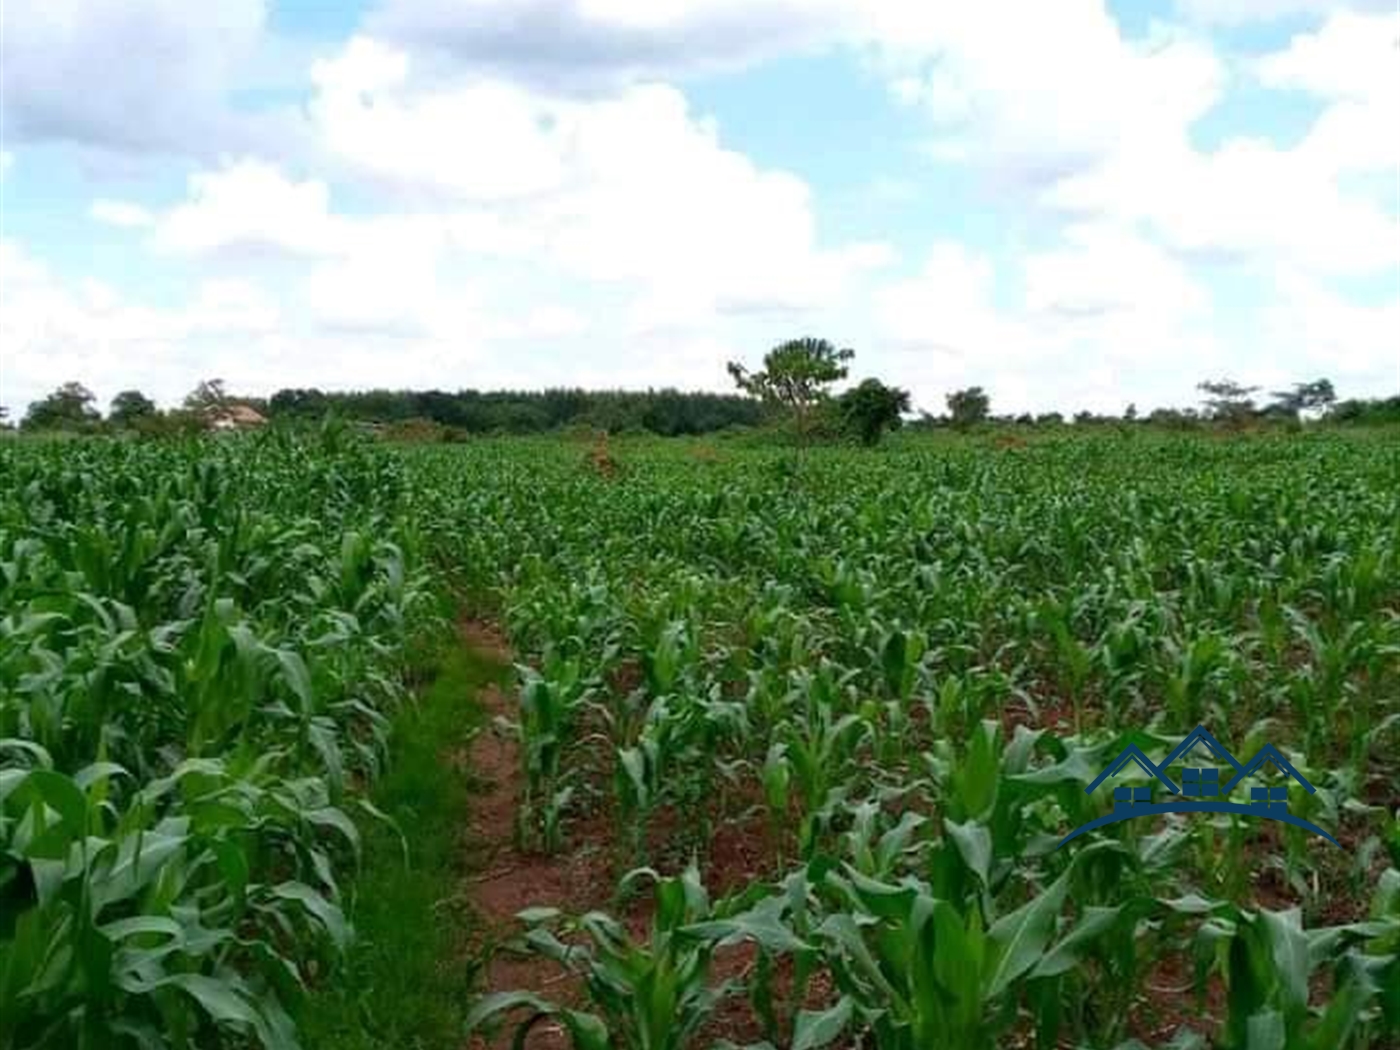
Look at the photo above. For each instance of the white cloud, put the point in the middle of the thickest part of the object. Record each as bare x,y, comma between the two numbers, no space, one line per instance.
627,187
54,331
1104,319
1350,56
1316,331
1353,62
572,43
250,206
1015,101
508,192
1266,204
125,74
121,214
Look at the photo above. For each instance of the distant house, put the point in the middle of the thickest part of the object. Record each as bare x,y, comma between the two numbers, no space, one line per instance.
236,417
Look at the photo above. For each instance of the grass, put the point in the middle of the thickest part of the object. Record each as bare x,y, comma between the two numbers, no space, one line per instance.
403,985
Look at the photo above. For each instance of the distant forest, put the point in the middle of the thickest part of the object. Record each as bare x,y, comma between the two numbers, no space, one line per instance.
668,412
863,412
673,412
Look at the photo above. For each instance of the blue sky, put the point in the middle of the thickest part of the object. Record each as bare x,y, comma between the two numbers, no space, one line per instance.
1075,205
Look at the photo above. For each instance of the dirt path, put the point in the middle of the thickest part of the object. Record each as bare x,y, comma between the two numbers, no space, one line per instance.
506,879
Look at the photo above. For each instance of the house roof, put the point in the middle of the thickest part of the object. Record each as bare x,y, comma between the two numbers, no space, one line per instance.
245,415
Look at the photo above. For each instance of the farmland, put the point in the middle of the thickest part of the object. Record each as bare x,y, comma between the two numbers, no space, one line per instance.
815,721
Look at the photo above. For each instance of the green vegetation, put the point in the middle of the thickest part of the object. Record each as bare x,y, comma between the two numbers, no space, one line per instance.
200,650
892,672
911,664
969,407
795,378
405,983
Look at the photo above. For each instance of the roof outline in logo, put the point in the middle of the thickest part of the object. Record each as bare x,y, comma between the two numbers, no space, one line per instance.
1200,735
1132,754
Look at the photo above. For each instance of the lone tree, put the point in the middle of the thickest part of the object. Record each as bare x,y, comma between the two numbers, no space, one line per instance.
67,408
129,407
969,407
1228,402
1305,397
795,376
870,409
208,398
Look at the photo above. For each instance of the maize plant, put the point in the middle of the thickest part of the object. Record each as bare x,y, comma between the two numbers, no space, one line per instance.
200,654
889,675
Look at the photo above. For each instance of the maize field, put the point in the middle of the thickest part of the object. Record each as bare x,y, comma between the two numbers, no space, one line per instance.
891,673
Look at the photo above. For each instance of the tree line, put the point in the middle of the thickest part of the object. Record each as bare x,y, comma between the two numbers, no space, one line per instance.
792,391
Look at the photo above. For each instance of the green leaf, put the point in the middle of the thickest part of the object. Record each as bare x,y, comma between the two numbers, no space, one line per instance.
1265,1031
1283,932
330,917
974,844
1092,924
1020,937
817,1028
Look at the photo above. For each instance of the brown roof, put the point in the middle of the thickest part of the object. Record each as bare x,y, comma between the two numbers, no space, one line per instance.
243,415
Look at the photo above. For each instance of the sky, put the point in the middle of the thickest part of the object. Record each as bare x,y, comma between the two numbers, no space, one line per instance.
1075,205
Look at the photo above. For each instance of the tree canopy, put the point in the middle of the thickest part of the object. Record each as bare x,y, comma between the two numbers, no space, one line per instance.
130,406
1318,395
969,407
1226,400
795,376
871,408
67,408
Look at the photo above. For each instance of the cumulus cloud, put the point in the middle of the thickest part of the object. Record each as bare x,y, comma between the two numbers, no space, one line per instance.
127,74
1063,89
1105,318
55,330
630,187
249,206
517,192
587,43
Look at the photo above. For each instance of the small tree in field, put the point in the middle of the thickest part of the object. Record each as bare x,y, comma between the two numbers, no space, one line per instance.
129,407
1228,402
67,408
208,398
870,409
969,407
1317,396
795,376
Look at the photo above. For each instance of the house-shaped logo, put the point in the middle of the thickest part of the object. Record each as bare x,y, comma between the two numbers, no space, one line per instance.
1202,789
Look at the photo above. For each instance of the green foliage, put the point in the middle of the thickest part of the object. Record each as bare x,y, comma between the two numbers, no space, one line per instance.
199,652
667,412
70,407
1227,401
795,376
871,408
393,990
208,397
1317,395
969,407
841,659
897,671
130,407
